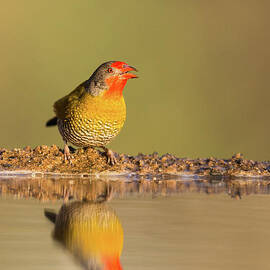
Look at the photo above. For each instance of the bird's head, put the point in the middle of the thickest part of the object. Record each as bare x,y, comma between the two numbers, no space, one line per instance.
110,78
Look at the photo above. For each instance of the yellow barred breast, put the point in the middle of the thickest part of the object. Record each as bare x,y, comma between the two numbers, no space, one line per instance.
94,121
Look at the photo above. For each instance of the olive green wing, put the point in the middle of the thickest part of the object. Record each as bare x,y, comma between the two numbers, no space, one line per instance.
64,106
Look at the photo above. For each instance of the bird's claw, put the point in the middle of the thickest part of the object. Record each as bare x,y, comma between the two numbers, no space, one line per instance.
111,159
67,158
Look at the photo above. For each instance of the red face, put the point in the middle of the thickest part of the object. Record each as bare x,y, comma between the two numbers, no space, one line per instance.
122,70
119,75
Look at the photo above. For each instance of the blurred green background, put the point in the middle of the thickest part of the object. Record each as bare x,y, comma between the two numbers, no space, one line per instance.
203,65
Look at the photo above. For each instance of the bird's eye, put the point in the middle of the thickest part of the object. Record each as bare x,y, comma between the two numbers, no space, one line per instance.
110,70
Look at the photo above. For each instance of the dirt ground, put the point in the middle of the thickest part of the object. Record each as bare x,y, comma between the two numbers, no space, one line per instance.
50,159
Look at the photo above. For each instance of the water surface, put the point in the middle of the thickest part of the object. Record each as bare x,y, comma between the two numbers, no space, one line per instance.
167,225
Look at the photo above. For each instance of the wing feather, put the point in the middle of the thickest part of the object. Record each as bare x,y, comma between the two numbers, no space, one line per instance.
64,106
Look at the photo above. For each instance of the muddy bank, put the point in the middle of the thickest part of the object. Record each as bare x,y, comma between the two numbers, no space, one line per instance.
49,159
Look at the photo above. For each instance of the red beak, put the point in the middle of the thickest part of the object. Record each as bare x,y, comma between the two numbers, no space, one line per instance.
125,72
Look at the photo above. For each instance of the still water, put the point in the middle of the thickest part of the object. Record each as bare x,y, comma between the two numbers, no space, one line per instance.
124,224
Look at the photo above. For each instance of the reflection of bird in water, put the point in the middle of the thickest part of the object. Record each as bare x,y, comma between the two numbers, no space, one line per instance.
91,231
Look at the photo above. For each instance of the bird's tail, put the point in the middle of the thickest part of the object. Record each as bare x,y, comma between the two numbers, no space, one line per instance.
51,122
50,215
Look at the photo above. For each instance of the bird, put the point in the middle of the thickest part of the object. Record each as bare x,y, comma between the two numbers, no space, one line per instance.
91,231
95,111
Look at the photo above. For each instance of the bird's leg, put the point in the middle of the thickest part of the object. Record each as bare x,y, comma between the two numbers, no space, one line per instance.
111,159
67,156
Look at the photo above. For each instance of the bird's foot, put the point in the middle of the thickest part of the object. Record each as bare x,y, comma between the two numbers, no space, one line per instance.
111,159
67,155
